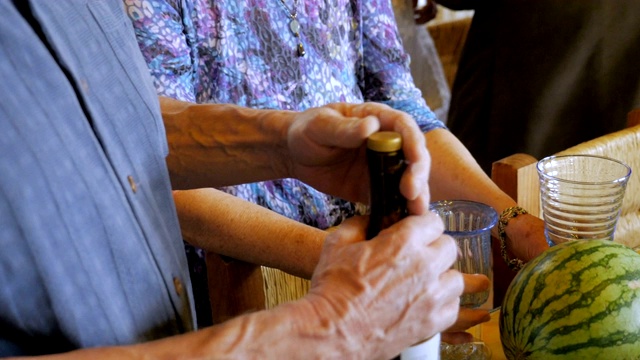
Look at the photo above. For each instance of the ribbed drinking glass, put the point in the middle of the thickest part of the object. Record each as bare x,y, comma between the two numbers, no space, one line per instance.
581,196
470,223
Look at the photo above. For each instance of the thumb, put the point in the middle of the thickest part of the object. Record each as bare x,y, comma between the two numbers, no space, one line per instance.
350,231
474,283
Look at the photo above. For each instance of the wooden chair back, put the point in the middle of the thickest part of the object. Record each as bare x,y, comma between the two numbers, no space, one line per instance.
517,175
449,38
633,118
237,287
519,178
623,145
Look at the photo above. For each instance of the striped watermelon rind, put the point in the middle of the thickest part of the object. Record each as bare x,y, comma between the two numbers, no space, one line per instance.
579,299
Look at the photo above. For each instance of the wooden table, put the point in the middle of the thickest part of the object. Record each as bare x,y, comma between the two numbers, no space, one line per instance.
489,332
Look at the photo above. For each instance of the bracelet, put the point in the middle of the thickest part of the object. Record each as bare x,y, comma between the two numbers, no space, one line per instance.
508,214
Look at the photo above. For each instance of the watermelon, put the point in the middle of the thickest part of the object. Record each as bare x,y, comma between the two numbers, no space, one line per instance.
577,300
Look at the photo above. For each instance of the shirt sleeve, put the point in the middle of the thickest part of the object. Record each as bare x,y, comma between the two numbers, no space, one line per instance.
387,76
166,38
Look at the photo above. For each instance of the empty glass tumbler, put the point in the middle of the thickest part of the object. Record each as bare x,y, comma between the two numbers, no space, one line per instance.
581,196
470,223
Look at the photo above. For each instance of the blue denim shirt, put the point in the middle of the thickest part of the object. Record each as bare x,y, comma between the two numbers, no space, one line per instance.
90,248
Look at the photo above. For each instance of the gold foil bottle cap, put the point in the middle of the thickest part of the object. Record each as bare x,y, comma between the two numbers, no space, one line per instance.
385,141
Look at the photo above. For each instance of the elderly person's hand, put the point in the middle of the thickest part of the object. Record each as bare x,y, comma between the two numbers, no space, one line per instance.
327,151
389,292
368,300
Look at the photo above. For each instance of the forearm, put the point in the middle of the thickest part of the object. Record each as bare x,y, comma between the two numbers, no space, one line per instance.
364,303
204,139
227,225
290,331
456,174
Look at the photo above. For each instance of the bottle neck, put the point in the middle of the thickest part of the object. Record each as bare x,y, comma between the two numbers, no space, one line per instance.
388,206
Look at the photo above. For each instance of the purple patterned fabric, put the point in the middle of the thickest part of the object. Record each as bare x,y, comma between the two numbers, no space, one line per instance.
243,52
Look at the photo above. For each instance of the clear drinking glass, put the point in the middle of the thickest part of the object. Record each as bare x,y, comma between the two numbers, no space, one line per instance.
581,196
476,350
470,223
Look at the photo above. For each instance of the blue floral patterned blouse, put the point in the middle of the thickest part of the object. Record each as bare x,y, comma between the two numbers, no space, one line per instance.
244,52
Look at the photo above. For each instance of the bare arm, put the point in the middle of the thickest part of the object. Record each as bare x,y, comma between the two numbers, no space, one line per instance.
368,300
213,145
456,175
226,225
219,145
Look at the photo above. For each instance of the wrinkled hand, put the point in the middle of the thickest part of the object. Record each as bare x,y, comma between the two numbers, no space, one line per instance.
327,148
385,294
467,317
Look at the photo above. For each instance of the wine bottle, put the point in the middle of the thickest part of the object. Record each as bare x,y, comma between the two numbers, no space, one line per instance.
386,165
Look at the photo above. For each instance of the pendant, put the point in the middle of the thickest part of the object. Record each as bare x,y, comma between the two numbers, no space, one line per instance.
301,50
294,26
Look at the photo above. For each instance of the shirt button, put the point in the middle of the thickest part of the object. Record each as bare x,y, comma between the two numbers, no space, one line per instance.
84,85
132,184
177,284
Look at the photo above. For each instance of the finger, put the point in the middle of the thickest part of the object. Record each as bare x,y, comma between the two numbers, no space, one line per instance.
428,228
414,186
451,280
450,290
456,337
475,283
414,182
434,227
420,205
468,318
444,254
332,128
414,146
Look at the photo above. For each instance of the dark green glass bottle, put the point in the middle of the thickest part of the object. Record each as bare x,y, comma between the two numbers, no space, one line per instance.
386,166
388,206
